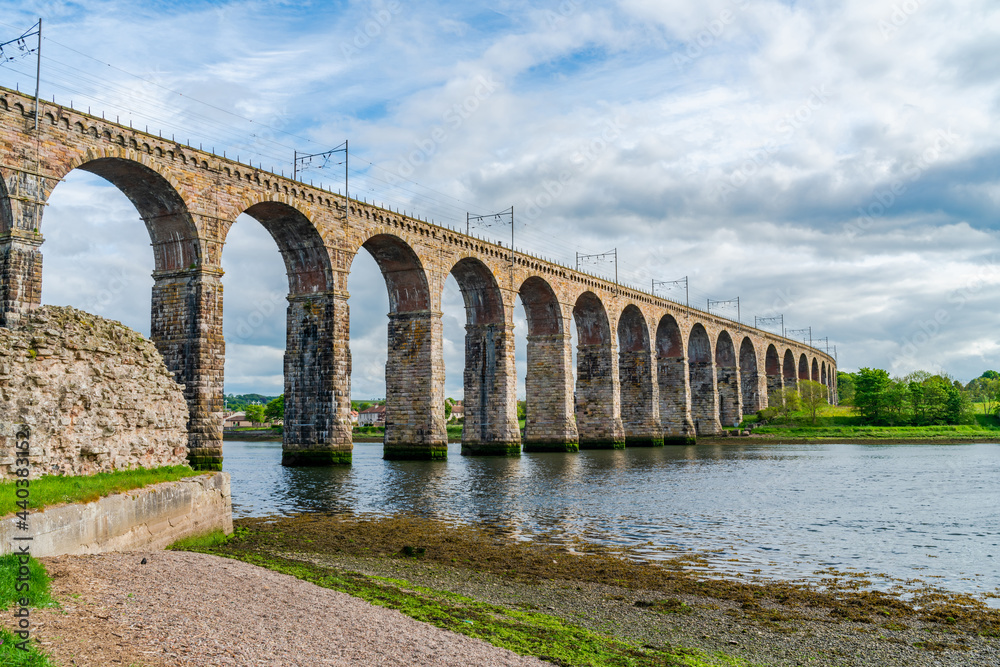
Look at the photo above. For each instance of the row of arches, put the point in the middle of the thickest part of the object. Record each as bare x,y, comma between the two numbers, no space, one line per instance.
641,376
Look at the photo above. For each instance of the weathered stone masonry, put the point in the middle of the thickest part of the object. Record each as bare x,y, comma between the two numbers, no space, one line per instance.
647,369
94,395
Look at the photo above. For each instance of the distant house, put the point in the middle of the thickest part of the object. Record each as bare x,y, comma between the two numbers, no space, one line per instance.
457,411
235,420
354,416
373,416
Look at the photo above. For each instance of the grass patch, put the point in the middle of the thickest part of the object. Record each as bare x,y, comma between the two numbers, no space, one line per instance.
838,421
37,595
38,583
11,656
56,489
200,542
524,632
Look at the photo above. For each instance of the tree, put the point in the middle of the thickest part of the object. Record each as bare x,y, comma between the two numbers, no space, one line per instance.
522,410
449,403
871,389
783,401
812,394
275,409
845,388
985,390
255,413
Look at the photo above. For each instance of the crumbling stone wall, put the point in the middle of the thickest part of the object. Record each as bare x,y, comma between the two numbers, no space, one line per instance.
95,395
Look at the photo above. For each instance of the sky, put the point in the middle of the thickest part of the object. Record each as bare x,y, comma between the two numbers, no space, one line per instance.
832,163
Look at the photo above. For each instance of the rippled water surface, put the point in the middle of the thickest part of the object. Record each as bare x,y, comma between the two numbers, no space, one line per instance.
925,511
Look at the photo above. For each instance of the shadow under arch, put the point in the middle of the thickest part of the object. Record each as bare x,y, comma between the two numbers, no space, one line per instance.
549,424
772,369
6,215
704,392
749,377
790,377
674,384
489,377
640,411
414,370
728,380
317,426
597,401
170,225
803,367
815,370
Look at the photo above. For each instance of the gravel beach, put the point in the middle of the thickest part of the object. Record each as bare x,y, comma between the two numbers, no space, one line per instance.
194,609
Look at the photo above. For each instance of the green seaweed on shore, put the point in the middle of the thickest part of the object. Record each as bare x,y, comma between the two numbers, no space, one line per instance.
524,632
841,596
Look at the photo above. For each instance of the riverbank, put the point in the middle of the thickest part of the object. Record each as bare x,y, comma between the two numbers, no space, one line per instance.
476,581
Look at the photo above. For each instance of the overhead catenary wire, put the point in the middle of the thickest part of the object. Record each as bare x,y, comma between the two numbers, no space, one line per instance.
275,146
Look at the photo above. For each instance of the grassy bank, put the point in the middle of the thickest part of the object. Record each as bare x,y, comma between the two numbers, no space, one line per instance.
607,609
56,489
836,422
10,597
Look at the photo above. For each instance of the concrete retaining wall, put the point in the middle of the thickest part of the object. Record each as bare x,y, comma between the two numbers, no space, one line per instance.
149,518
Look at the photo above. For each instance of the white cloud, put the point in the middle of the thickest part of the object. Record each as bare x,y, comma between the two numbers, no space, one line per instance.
748,137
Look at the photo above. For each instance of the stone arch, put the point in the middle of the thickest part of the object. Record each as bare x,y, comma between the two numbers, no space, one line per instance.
749,377
772,369
541,308
490,376
186,300
673,383
640,411
704,393
317,428
405,278
598,417
414,369
728,380
815,370
171,227
549,423
790,377
307,261
803,367
822,374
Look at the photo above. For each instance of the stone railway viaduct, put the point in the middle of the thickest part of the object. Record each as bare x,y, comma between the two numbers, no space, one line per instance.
648,370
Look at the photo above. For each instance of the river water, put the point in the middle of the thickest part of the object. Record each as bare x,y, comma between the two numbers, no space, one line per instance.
930,512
